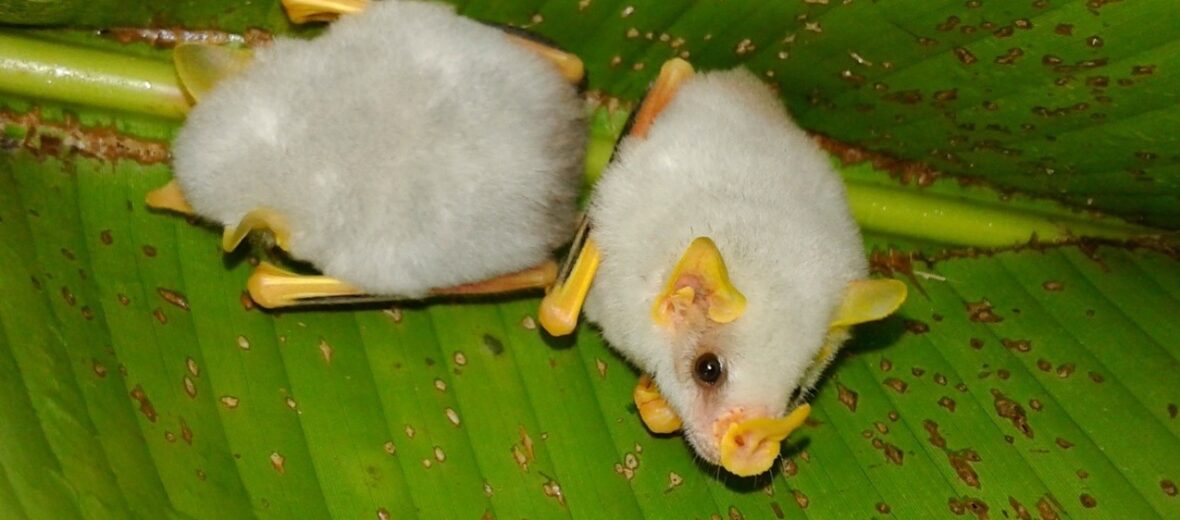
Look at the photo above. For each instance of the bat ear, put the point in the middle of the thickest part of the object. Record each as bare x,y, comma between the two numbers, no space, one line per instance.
869,300
699,281
200,67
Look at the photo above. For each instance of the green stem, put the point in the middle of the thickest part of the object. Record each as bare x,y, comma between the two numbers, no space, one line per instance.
960,221
82,76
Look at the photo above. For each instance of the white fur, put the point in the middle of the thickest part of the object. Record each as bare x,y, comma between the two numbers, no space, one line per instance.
409,149
724,161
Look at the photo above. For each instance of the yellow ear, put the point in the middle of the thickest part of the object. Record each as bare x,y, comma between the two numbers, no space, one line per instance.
201,66
868,300
700,278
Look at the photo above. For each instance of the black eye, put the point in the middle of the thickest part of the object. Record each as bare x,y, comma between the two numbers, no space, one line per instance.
707,369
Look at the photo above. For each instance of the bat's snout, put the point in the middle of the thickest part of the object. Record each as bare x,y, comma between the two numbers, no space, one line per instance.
749,446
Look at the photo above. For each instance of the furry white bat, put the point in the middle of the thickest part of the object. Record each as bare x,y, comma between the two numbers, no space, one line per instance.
405,151
725,263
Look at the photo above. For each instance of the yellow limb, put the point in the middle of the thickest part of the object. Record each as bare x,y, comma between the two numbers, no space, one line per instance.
201,67
657,415
750,447
567,64
271,286
168,197
259,219
674,72
700,275
869,300
303,11
563,303
537,277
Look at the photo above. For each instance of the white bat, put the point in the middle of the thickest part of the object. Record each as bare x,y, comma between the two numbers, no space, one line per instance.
724,263
406,151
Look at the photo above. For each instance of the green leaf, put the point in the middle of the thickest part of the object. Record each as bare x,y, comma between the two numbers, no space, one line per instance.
138,381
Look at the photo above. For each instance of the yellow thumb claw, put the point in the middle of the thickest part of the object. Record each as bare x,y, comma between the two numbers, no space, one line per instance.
657,415
750,447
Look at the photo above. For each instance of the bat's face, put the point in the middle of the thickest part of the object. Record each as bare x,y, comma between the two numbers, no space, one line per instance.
733,371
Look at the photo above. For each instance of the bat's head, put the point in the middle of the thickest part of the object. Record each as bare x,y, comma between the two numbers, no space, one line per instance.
734,363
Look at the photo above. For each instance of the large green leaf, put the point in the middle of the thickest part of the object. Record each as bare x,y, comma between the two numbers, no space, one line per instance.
138,380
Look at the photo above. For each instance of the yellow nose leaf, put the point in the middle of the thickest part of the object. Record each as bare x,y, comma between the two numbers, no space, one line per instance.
750,447
657,415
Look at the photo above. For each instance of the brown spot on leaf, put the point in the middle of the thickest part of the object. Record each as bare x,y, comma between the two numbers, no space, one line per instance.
846,396
167,38
886,365
1046,506
326,351
149,251
246,301
916,327
1065,370
68,296
961,462
160,316
1168,487
173,297
1012,411
1035,404
936,438
801,499
1044,365
278,462
918,371
1010,57
186,433
190,387
123,299
965,56
1019,345
1021,511
981,312
1172,410
948,403
105,237
790,468
1088,501
1064,444
145,404
965,505
1096,377
976,343
897,385
99,369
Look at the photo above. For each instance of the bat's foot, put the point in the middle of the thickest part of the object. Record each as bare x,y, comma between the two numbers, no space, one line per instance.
303,11
261,219
657,415
169,197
